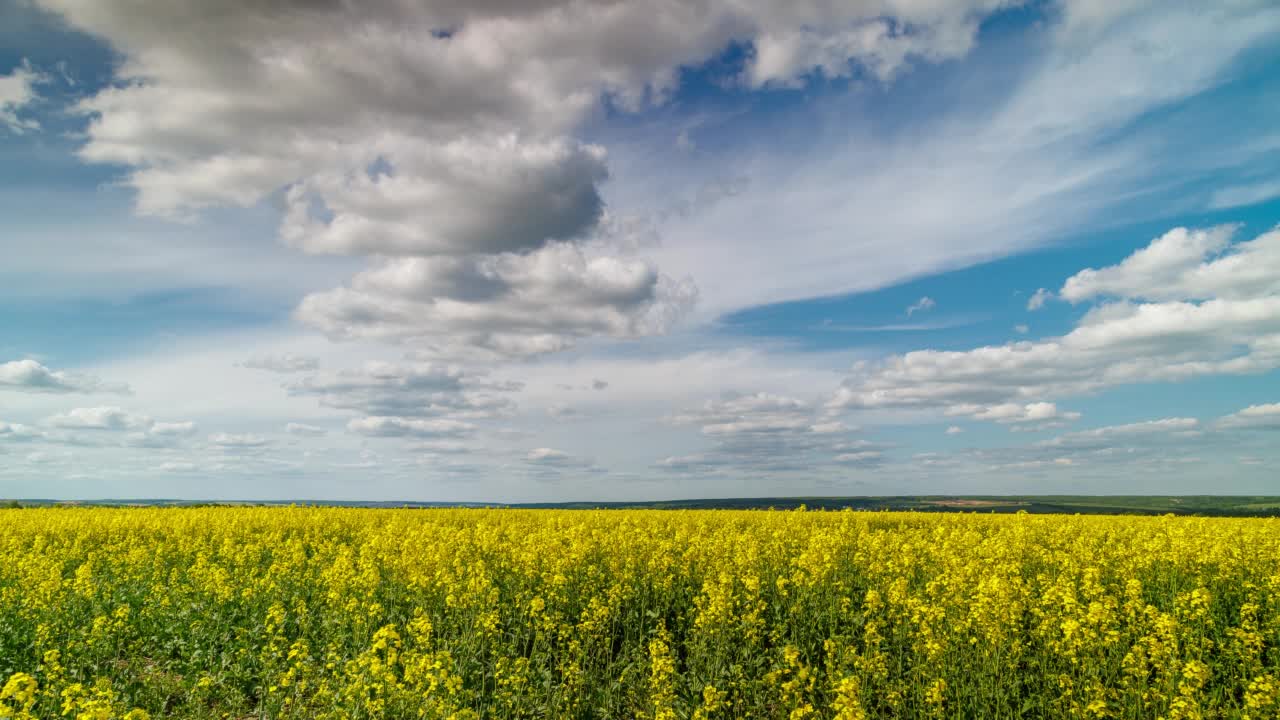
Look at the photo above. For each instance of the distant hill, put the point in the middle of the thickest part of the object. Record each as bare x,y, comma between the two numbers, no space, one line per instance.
1203,505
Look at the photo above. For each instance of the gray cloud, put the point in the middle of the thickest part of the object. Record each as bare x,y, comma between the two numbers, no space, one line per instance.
510,305
410,390
463,198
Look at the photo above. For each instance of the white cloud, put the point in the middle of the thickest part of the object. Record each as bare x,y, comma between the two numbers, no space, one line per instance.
399,140
238,440
100,418
30,376
284,363
1021,329
19,432
177,467
954,430
924,303
547,455
405,427
763,432
1167,429
1187,264
1258,417
1041,414
227,106
17,92
696,463
1022,165
549,464
864,458
755,413
175,429
1038,299
446,447
304,430
163,434
1114,344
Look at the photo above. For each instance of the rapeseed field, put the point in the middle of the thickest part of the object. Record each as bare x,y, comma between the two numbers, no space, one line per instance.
349,613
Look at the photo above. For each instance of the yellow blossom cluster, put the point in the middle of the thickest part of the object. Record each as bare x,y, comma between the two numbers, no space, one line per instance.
327,613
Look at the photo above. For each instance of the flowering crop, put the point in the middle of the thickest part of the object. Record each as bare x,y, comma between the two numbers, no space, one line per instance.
345,613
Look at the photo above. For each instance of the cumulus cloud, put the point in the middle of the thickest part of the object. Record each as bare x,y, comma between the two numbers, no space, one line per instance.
445,447
143,432
769,432
177,467
17,92
163,434
1037,415
547,456
19,432
862,458
238,440
101,427
509,304
30,376
285,363
174,429
410,389
1209,317
441,134
696,463
1038,299
100,418
462,198
549,464
304,430
924,303
755,413
1187,264
409,428
1254,417
954,430
255,97
1110,451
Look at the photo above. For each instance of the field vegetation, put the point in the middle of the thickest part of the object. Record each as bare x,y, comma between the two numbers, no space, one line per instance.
468,613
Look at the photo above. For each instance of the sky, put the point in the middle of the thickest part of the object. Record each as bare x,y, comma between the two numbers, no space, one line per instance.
550,250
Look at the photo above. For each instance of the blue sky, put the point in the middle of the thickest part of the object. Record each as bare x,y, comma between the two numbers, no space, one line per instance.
576,250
